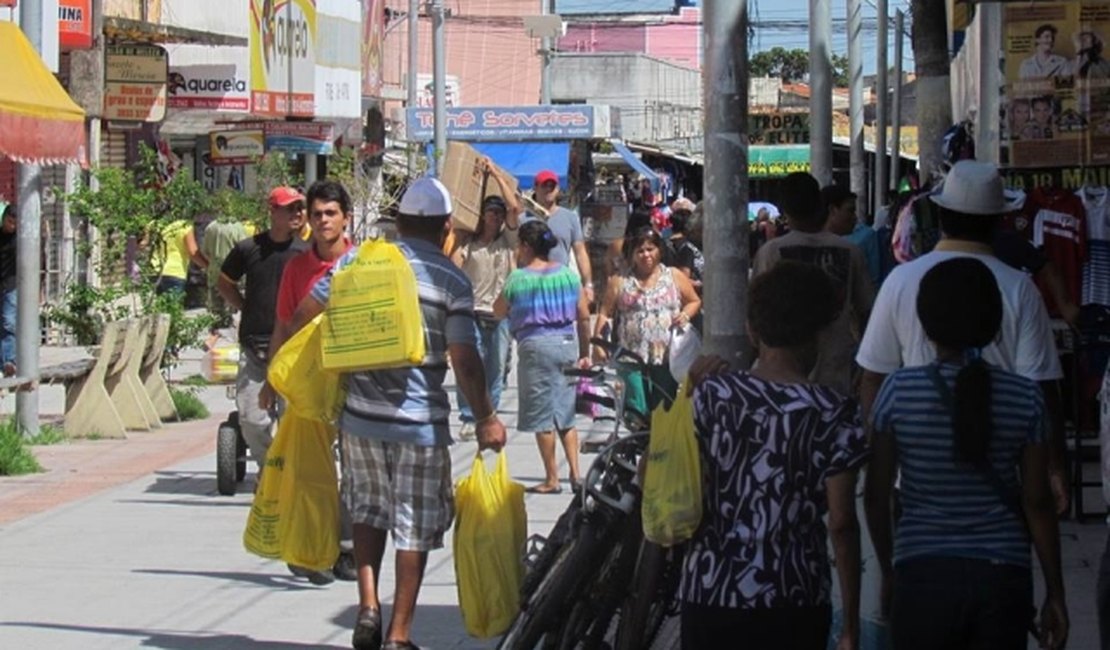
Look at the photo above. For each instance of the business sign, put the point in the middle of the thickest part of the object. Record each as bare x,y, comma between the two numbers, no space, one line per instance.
209,78
510,123
75,31
283,57
135,83
774,162
778,128
1056,97
373,44
338,74
236,147
300,137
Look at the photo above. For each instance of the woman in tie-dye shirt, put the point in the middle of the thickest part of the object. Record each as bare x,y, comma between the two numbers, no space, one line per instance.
549,318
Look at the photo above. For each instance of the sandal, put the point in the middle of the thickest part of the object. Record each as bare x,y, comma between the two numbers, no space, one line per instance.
544,489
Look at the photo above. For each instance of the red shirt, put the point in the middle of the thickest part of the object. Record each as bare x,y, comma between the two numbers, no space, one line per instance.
1060,228
300,275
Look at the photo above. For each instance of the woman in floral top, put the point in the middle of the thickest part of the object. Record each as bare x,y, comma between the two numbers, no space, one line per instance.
647,302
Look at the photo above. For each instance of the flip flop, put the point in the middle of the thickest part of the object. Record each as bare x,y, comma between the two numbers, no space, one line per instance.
542,489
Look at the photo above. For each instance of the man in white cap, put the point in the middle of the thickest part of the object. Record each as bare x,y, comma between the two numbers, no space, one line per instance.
395,423
970,206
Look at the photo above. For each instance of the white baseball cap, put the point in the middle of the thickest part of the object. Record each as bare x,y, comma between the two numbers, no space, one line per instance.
972,187
427,197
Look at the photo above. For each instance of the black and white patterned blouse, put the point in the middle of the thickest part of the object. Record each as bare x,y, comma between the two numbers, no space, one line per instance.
767,450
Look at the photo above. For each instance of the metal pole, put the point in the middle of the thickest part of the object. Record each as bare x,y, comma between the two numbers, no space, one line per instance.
545,70
414,65
896,108
820,91
439,73
881,117
990,78
725,88
28,268
856,151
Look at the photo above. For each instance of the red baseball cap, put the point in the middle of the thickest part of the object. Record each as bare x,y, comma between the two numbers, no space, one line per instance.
283,196
547,176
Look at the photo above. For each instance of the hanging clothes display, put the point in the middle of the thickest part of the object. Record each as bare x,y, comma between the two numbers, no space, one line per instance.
1059,223
1096,273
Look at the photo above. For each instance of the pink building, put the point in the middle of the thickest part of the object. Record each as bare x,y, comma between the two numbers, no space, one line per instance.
676,39
488,52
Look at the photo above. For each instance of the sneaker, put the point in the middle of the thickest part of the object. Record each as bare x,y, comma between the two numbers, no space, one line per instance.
345,568
467,431
368,631
315,577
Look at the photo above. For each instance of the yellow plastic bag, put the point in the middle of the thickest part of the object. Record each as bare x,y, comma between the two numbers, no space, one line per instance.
490,529
672,505
373,319
295,514
297,373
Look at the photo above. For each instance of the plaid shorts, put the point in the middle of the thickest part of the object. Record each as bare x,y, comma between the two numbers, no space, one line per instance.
400,487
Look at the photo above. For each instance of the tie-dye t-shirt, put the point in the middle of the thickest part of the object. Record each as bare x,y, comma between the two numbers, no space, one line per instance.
542,302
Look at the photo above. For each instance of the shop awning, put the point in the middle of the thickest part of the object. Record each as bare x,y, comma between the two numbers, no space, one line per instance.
39,122
526,159
634,161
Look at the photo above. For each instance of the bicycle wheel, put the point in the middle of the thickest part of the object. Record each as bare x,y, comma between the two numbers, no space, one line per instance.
646,606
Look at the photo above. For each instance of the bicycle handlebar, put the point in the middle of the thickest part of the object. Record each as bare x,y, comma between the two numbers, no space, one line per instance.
618,353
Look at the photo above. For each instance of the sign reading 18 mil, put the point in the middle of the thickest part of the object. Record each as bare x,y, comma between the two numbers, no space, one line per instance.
135,83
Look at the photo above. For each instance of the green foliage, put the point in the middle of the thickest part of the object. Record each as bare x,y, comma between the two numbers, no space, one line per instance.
195,380
15,453
793,65
189,406
48,435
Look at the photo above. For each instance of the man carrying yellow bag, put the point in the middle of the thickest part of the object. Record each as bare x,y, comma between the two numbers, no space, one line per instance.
395,422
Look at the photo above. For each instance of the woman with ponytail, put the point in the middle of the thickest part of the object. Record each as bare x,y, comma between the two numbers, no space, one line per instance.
968,440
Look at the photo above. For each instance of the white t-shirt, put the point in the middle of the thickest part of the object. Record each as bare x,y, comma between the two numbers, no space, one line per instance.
895,338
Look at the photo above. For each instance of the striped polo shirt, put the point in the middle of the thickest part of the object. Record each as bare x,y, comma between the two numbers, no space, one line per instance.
952,509
409,404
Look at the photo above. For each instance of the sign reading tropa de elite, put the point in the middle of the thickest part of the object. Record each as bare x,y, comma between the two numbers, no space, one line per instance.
1056,100
135,83
283,57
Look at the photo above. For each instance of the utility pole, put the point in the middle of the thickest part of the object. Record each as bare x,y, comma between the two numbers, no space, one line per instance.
930,55
545,71
28,266
856,152
414,65
896,108
990,78
820,91
439,74
881,117
725,89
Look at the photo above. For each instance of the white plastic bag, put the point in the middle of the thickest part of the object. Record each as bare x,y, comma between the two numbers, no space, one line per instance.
685,348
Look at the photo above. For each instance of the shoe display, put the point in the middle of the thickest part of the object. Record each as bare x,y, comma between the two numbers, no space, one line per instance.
345,568
368,631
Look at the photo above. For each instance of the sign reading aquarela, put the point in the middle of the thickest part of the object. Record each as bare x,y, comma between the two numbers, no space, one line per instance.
1056,99
283,57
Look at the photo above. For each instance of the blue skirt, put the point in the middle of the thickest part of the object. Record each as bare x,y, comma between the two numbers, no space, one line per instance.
546,401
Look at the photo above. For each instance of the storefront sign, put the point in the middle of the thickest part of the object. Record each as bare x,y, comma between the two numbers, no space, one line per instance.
135,83
283,57
373,42
338,74
236,147
75,24
774,162
1065,178
1056,98
300,137
778,128
508,123
209,78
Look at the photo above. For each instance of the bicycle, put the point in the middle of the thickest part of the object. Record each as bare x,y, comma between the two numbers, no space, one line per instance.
595,565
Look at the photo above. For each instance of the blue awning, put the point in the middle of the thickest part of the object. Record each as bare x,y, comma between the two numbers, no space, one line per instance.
634,161
526,159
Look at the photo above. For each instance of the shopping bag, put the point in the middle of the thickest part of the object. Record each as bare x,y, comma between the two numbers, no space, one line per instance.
490,529
672,505
295,514
373,319
683,351
297,374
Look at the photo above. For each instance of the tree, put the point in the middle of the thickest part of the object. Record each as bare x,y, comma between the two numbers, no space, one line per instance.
793,65
930,53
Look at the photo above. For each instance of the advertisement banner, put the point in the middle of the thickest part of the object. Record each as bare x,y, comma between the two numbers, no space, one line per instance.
506,123
775,162
300,137
338,74
135,83
75,24
1056,98
373,42
778,128
236,147
283,57
209,78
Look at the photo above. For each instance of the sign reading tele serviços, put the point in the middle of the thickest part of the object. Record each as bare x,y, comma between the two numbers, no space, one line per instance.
478,123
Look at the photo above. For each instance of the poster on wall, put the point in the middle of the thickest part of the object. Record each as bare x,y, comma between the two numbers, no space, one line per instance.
1056,98
373,40
135,82
283,57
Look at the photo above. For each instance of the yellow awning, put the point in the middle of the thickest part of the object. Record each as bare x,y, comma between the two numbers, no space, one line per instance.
39,122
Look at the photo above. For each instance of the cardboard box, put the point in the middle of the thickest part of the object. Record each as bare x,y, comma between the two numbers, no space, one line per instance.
463,176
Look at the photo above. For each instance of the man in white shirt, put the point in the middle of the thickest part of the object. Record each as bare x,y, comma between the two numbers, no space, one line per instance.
970,205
